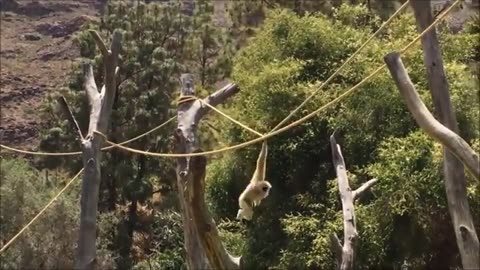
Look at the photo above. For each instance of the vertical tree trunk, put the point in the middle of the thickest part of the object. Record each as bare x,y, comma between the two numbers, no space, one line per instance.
202,242
100,111
455,183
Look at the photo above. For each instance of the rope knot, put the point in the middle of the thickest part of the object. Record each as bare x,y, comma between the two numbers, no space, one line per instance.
186,98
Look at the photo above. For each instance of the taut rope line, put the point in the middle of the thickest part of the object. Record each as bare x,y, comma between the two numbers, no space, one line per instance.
41,212
295,123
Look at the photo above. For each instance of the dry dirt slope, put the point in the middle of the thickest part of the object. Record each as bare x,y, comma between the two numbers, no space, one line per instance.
36,53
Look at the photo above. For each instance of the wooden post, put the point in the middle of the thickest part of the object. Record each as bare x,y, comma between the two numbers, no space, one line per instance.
202,242
455,183
100,111
345,255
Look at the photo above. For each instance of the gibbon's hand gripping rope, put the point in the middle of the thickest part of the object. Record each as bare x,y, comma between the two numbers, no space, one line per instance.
295,123
41,212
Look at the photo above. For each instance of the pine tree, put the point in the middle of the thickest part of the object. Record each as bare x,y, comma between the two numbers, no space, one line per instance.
160,43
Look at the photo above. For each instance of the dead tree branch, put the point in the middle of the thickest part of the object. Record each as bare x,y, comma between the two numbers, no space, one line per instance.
425,119
100,111
202,242
345,255
337,249
366,186
70,116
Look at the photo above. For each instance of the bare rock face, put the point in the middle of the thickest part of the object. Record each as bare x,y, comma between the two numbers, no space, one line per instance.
18,134
61,29
8,5
34,9
32,37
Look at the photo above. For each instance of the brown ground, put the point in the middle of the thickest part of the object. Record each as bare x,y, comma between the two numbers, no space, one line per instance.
36,54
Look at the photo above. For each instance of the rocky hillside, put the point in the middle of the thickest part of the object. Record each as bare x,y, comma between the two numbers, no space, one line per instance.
36,54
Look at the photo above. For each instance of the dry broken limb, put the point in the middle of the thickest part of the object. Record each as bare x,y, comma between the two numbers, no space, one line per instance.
100,111
455,182
345,255
425,119
202,242
467,240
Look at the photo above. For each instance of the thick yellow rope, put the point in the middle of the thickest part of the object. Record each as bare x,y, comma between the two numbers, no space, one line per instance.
41,212
231,119
79,153
387,22
329,79
39,153
293,124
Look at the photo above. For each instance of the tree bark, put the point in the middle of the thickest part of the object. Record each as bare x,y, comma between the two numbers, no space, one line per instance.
425,119
100,111
455,182
345,255
202,242
457,201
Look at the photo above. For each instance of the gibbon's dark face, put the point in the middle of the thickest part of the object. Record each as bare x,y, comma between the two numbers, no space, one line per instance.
265,187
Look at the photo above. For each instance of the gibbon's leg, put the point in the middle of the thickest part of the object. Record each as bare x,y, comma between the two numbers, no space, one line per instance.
246,209
245,222
246,213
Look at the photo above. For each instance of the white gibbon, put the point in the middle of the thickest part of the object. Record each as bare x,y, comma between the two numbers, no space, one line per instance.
257,190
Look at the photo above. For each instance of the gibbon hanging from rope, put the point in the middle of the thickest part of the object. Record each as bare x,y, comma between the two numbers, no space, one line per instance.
257,190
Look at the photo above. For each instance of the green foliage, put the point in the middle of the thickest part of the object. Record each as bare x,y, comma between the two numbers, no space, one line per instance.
49,243
211,51
232,236
167,235
411,197
406,212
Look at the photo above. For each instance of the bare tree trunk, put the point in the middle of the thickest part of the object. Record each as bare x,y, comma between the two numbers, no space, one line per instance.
345,255
451,141
202,242
455,182
100,111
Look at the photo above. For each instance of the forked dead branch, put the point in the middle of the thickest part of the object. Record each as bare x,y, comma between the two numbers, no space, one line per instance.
202,241
100,110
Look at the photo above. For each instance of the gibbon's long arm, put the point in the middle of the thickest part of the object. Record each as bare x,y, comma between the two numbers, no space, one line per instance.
260,170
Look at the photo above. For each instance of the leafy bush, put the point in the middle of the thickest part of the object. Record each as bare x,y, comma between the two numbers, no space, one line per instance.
49,243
